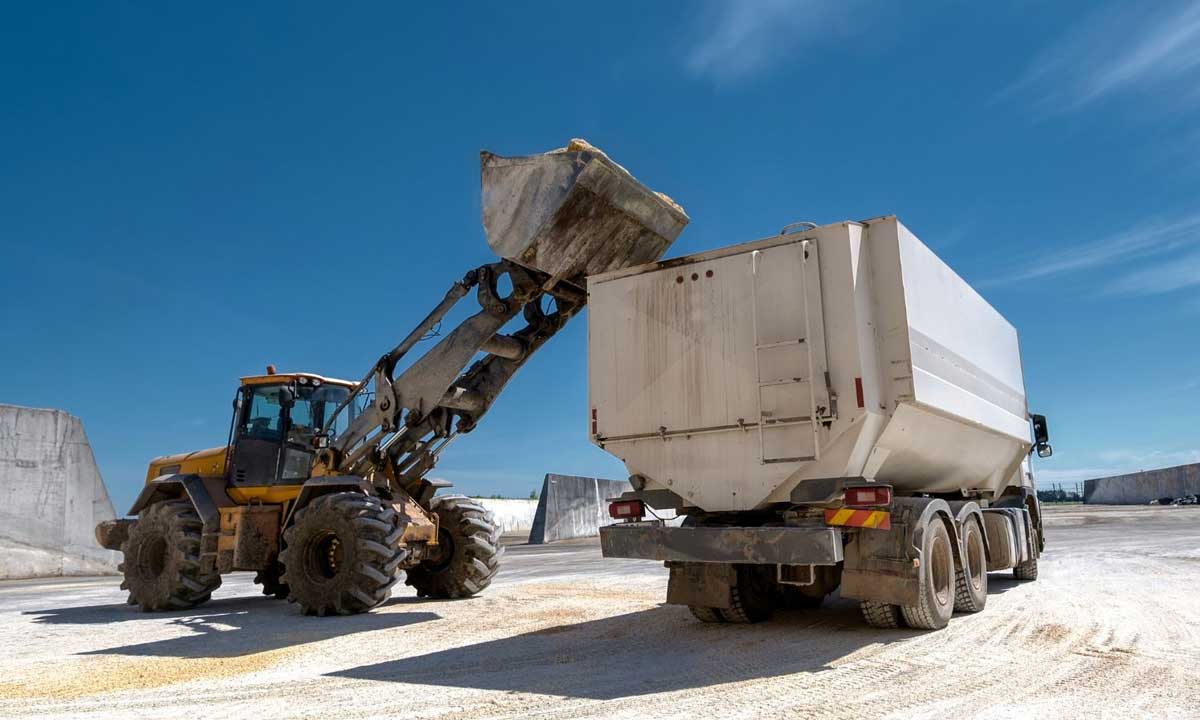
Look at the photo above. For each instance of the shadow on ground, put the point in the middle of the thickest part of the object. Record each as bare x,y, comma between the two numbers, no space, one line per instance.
651,651
231,627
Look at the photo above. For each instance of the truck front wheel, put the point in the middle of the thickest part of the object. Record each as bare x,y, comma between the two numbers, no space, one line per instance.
162,559
935,601
341,554
1026,571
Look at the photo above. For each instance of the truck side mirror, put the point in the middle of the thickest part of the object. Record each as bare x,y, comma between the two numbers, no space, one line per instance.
287,398
1041,434
1044,450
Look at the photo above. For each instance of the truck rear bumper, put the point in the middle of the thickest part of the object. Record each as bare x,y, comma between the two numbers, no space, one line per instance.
750,545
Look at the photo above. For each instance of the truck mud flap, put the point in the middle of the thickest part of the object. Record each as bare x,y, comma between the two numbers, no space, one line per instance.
749,545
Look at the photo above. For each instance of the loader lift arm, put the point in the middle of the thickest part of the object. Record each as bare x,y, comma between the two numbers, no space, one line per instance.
413,416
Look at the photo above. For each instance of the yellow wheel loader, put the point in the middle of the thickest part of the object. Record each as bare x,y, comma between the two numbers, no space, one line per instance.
322,488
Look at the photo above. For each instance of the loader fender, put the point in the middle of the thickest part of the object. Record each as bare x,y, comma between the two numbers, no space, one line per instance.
172,487
963,511
324,485
884,565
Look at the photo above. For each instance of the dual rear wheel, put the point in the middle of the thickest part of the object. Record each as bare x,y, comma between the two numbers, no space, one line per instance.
946,586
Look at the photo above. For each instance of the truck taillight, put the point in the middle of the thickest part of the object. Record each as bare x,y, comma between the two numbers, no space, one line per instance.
868,496
627,510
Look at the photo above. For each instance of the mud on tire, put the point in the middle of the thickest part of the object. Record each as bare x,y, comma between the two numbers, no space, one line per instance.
162,559
468,554
341,554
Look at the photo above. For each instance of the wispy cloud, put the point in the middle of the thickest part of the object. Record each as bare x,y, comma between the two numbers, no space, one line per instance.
734,39
1152,240
1118,49
1141,460
1175,274
1117,462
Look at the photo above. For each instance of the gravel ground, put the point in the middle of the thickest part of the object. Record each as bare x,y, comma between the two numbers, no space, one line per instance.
1111,630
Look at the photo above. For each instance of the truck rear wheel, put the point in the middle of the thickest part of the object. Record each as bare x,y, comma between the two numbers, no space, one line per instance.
970,582
341,554
752,595
468,551
1026,571
935,603
880,615
706,614
162,559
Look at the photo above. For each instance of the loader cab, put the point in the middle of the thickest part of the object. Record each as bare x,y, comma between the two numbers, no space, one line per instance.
275,418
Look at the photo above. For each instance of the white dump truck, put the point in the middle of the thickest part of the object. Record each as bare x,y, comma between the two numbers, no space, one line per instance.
832,407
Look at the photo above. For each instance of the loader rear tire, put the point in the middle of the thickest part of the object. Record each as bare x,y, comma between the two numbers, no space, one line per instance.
270,578
341,554
162,559
935,601
1026,571
468,551
971,580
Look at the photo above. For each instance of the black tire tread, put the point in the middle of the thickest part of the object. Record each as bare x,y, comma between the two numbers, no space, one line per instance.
186,585
477,551
964,599
1026,571
706,614
368,583
880,615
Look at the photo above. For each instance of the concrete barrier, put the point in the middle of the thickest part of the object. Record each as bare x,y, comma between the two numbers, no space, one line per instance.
515,517
571,507
1141,487
51,497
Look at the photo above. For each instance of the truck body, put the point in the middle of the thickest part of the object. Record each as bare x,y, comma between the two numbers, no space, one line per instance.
756,387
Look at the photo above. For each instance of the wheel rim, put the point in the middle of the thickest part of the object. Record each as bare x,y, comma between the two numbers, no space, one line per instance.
152,557
440,558
939,572
324,557
975,561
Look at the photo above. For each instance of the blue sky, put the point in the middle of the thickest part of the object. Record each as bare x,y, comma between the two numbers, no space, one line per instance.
188,193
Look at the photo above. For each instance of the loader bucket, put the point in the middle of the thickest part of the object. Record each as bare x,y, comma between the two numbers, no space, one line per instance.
573,212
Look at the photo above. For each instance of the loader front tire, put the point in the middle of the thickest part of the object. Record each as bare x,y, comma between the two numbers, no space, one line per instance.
468,552
341,554
162,559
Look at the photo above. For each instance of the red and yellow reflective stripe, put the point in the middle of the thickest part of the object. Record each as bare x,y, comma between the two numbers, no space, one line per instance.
849,517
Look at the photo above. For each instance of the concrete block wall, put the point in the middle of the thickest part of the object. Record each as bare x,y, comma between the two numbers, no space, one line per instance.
515,517
572,507
1141,487
51,497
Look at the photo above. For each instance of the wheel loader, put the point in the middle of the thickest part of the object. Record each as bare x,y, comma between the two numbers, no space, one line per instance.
323,486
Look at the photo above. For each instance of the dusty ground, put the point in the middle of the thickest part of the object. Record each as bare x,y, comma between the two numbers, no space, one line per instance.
1111,630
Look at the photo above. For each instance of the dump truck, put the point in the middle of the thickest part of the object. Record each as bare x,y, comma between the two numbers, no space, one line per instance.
829,408
323,486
